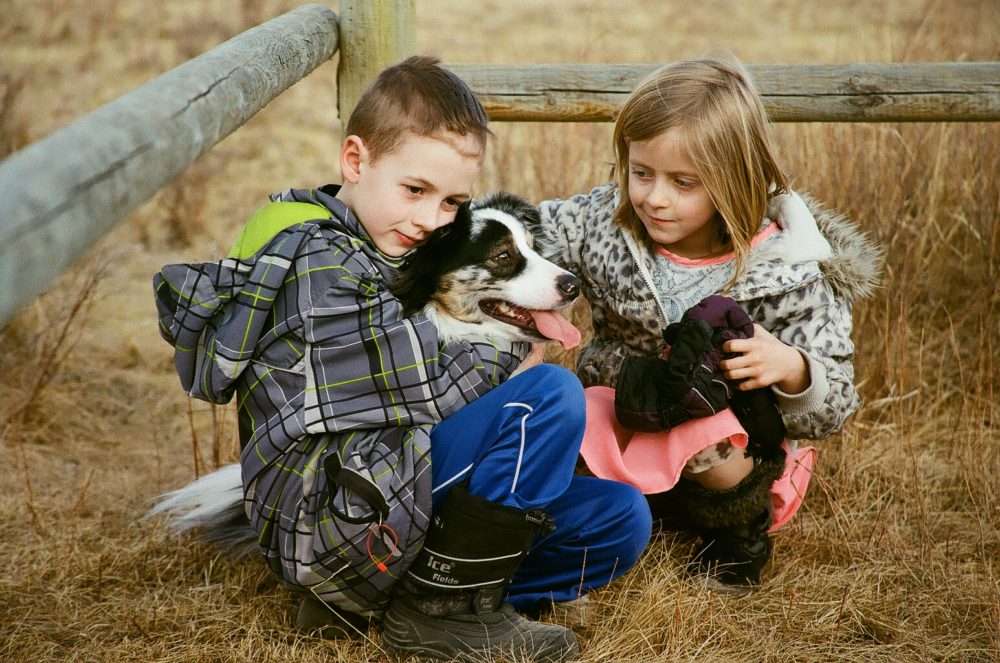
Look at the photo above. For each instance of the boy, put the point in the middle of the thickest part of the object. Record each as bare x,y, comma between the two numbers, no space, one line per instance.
339,396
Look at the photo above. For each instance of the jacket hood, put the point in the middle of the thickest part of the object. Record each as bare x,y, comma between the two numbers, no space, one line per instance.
343,219
216,313
854,267
814,242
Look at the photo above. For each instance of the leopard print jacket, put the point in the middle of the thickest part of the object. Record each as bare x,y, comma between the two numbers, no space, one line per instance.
799,285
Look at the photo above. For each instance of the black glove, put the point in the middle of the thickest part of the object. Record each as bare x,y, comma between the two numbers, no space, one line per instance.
727,319
654,394
757,409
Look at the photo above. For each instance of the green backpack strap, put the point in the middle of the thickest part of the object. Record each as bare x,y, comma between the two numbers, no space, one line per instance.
271,219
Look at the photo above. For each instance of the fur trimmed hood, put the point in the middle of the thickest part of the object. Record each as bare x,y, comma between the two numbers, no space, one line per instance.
811,234
855,265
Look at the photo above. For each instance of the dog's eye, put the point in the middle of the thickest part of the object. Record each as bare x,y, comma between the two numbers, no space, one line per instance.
501,258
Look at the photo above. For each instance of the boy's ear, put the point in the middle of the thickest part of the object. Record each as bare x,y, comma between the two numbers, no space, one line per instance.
352,154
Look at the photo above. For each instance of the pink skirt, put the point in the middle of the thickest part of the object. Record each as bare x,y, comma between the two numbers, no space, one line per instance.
653,462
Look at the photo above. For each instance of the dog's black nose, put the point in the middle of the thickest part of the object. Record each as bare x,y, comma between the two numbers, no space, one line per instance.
568,285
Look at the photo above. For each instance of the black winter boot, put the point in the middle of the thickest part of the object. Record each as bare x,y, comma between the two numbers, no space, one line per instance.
730,559
450,604
732,525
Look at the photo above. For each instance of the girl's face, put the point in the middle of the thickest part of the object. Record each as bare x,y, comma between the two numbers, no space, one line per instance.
670,198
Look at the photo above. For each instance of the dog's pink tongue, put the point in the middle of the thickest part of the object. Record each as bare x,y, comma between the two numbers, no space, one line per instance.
554,326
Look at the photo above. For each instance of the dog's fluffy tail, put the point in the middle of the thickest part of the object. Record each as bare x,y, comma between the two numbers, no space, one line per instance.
213,507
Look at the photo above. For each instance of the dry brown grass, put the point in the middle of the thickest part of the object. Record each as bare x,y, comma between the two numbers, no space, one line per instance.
895,555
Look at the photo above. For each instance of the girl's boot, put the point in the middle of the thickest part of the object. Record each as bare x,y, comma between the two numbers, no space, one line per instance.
732,525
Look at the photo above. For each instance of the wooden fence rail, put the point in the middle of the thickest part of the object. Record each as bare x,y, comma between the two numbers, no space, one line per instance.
64,193
900,92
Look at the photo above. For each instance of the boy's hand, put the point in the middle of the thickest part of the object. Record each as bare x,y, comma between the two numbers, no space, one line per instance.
762,361
535,357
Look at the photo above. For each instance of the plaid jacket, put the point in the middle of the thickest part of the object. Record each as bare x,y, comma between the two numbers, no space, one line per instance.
328,374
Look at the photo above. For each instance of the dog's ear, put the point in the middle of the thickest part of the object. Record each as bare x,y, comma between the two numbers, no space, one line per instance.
418,278
447,236
414,285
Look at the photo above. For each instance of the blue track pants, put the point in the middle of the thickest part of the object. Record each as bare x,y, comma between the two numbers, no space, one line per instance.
518,446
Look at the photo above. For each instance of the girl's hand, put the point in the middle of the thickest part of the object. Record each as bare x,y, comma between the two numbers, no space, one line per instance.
535,357
764,360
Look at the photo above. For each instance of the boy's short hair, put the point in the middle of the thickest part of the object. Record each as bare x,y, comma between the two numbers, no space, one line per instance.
416,96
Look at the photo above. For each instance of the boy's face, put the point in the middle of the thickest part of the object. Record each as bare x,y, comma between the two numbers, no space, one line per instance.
401,197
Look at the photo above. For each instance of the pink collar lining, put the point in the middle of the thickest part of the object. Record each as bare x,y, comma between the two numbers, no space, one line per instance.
716,260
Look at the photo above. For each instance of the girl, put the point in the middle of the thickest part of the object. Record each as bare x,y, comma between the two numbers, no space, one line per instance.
698,207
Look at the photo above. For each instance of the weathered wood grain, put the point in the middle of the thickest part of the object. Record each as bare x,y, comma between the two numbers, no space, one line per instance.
374,34
874,92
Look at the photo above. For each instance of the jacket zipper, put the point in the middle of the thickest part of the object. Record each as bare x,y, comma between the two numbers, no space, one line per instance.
633,249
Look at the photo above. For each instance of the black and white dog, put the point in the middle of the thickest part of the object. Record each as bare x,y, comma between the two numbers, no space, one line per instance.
478,278
481,277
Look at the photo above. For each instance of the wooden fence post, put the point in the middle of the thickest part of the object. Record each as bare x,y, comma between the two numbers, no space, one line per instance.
373,35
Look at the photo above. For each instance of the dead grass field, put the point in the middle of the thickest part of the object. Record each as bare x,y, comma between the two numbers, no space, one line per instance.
896,553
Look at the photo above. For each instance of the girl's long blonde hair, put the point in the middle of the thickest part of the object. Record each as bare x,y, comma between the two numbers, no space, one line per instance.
725,132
